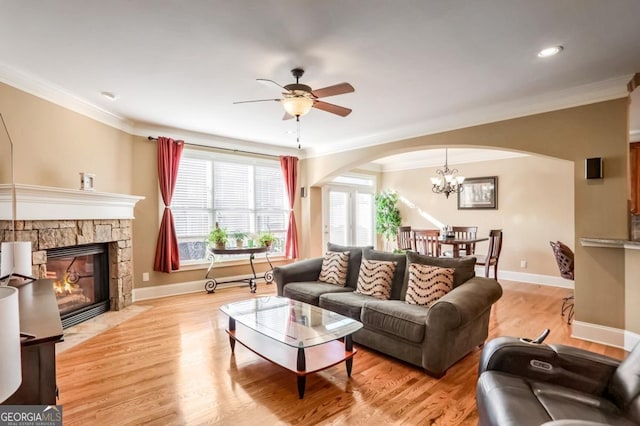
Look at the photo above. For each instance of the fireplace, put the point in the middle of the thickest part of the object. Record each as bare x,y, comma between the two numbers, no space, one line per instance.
80,277
60,218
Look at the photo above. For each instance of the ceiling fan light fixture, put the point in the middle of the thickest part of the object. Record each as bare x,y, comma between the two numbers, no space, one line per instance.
297,105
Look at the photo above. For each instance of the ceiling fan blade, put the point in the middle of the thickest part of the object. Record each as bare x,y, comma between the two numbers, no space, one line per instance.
334,109
267,82
257,100
337,89
287,116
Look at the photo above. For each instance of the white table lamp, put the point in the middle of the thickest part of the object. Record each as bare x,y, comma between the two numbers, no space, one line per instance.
16,259
10,363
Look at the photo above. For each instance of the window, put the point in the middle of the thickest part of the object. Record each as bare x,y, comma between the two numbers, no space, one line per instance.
239,193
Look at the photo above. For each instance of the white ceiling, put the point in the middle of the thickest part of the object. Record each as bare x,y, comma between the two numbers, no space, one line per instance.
418,66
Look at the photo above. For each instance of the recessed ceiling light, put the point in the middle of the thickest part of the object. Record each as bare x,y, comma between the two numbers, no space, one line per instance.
549,51
109,95
290,132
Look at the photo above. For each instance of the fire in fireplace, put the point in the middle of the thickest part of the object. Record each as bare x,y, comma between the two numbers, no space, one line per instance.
80,277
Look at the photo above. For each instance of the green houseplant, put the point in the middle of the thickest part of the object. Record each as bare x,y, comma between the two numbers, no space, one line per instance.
387,215
266,238
218,236
239,237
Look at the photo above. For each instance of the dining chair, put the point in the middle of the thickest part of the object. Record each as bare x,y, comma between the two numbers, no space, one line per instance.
493,254
464,232
461,233
425,241
403,238
565,259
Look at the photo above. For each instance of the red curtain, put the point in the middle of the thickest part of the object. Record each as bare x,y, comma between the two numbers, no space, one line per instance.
289,167
169,153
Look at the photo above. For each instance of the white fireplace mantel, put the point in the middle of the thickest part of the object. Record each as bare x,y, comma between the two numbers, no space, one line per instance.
46,203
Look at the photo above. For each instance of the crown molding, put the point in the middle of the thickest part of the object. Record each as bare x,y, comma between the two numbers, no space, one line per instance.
57,95
213,141
552,101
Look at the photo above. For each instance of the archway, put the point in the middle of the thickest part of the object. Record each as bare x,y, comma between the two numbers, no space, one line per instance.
600,208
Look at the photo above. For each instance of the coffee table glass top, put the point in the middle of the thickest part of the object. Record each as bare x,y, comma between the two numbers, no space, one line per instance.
291,322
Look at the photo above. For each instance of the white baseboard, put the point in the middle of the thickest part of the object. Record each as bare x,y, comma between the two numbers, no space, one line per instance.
524,277
155,292
599,334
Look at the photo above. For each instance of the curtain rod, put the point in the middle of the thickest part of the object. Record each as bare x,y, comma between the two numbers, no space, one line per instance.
151,138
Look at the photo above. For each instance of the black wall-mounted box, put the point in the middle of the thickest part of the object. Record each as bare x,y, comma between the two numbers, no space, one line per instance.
593,168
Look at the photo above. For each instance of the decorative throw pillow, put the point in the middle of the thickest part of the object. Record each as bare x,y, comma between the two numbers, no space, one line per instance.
463,266
375,278
334,268
427,284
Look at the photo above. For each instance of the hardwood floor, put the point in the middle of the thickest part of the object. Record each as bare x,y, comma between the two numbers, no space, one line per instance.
172,365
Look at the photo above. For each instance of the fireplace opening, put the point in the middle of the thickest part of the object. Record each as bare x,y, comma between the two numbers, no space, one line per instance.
80,277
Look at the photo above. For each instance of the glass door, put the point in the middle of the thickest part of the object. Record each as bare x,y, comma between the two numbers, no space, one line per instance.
349,216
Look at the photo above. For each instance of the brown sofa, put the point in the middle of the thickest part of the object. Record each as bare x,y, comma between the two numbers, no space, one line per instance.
432,338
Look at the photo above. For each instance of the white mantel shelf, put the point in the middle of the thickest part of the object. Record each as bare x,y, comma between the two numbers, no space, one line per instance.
46,203
610,243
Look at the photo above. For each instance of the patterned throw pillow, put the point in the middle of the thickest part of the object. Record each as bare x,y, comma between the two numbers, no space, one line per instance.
375,278
427,284
334,268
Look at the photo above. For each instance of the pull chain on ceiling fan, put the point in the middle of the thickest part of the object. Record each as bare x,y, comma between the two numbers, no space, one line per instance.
298,99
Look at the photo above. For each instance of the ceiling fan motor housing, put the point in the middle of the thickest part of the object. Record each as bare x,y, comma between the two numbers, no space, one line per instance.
298,89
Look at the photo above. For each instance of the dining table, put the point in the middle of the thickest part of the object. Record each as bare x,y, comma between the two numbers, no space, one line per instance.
460,242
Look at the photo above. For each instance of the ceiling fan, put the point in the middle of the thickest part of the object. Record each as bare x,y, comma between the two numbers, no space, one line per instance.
298,99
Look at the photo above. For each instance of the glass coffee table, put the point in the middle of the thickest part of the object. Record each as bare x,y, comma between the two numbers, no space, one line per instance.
297,336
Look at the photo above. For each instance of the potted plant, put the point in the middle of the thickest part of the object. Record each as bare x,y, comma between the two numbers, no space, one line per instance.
387,215
266,238
218,236
239,237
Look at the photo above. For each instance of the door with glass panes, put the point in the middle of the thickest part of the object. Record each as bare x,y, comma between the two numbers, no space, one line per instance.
349,216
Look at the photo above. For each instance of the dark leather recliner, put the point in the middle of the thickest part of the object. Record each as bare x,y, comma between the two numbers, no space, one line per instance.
522,383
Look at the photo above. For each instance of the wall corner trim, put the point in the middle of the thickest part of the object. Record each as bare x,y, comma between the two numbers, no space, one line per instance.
600,334
631,339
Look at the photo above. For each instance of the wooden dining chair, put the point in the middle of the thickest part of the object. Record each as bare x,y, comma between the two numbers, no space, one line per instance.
493,254
463,232
403,238
425,241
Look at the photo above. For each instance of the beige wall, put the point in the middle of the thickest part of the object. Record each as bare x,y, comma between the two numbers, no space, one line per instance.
632,290
54,144
600,209
535,206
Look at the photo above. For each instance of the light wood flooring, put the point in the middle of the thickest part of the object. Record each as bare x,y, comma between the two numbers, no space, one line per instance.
172,365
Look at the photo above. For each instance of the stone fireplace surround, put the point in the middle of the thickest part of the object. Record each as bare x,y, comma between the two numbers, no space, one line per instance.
56,217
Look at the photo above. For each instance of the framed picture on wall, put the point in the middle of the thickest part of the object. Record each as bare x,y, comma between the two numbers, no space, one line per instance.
479,193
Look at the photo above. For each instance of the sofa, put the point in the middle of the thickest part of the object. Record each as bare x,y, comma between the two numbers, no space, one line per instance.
433,338
523,383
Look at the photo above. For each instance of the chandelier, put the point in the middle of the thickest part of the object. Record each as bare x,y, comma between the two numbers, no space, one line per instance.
447,182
